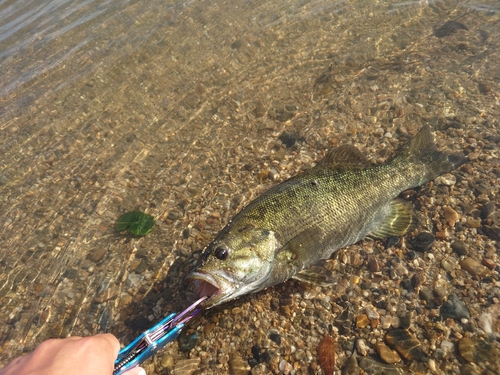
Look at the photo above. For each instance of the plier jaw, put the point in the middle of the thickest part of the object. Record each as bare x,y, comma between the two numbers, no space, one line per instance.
154,339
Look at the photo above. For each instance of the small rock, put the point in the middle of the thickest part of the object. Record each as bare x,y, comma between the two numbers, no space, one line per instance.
96,255
459,247
489,263
454,308
361,347
492,232
473,223
273,175
476,350
487,209
362,321
422,242
386,321
133,280
372,264
110,293
188,341
351,366
285,367
371,313
450,215
387,354
486,322
371,367
406,344
288,138
186,366
474,268
275,337
167,361
237,365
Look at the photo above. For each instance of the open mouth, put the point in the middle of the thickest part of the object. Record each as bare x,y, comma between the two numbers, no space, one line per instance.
204,284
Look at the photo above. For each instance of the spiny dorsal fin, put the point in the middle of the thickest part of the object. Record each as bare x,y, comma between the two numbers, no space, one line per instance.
346,156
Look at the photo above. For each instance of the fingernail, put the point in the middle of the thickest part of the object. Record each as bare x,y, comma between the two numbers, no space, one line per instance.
142,372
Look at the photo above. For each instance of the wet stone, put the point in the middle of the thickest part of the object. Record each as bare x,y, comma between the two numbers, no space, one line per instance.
492,232
372,264
474,268
460,247
167,361
134,280
344,322
96,255
275,337
476,350
454,308
186,366
387,354
142,266
450,215
372,367
362,347
237,365
362,321
288,138
188,340
449,28
406,344
422,242
351,366
487,209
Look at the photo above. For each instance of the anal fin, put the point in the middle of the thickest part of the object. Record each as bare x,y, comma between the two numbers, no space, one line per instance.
398,220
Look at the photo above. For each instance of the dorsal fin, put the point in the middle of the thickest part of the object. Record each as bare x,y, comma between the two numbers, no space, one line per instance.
346,156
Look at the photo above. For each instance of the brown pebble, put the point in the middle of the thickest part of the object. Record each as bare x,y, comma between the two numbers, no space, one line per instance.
473,223
387,354
186,366
476,350
459,247
374,323
207,328
406,344
473,267
373,265
326,355
489,263
450,215
96,255
107,294
362,321
238,366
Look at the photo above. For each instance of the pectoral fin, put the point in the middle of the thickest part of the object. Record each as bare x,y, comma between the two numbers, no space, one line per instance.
397,221
316,274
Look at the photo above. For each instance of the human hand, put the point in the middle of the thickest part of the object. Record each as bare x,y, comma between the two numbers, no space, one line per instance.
93,355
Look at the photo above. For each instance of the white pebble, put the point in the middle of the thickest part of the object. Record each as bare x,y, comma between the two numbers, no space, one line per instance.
486,322
361,347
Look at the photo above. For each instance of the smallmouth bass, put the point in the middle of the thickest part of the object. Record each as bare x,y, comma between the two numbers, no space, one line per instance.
289,228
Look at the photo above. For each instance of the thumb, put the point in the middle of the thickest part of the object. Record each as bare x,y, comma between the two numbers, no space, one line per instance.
135,371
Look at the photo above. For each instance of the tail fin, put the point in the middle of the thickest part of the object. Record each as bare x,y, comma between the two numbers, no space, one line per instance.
422,150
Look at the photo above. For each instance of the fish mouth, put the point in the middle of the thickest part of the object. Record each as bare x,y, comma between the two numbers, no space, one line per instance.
206,286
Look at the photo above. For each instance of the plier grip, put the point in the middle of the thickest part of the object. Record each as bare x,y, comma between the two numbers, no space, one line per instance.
154,339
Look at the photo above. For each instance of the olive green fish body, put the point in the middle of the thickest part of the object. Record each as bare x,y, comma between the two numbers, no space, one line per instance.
310,216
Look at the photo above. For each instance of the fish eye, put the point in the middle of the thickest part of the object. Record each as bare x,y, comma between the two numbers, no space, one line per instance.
221,252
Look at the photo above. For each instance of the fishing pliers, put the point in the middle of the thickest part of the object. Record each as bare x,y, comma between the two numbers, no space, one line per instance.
154,339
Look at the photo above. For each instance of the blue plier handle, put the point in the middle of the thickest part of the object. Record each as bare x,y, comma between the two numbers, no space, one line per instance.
154,339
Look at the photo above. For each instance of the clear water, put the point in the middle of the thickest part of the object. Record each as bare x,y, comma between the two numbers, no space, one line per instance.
174,108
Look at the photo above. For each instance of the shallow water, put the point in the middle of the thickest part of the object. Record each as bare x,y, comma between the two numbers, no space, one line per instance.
175,108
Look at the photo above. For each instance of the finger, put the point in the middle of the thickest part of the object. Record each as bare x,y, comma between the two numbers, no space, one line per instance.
135,371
